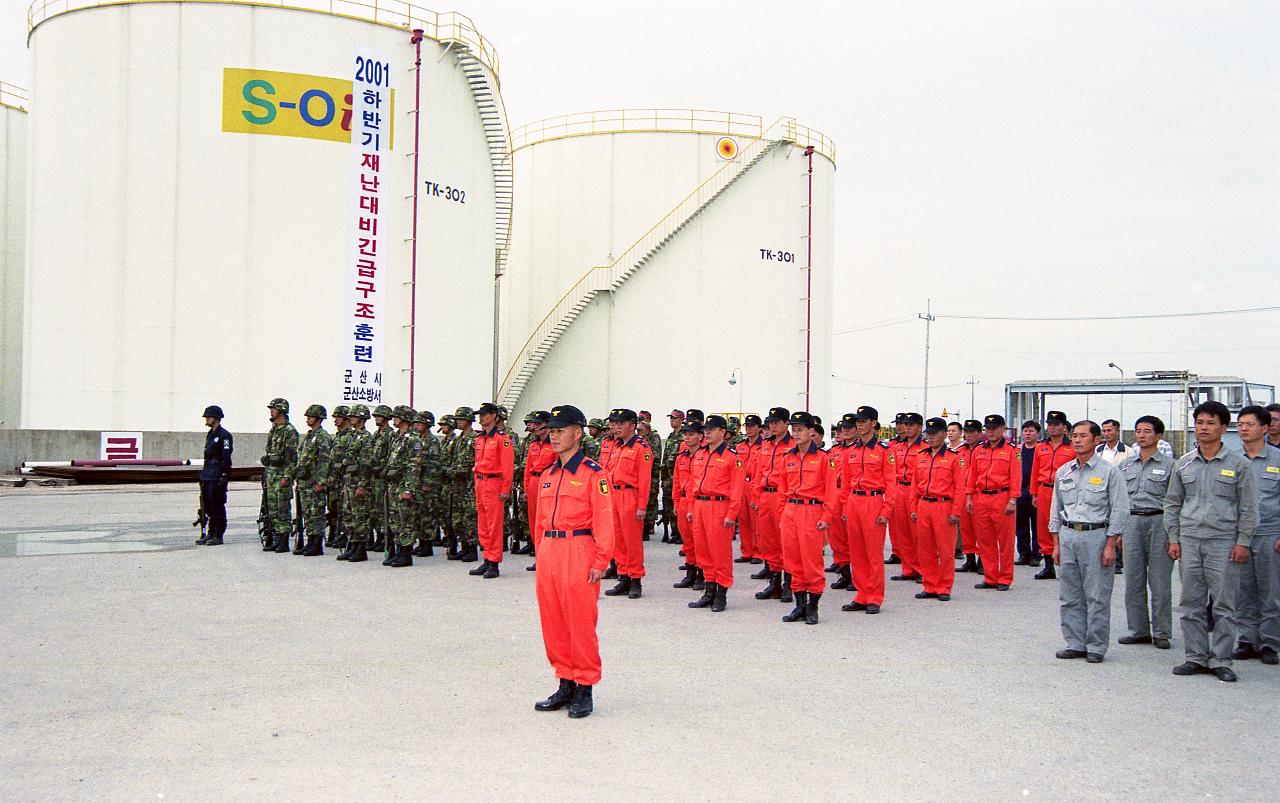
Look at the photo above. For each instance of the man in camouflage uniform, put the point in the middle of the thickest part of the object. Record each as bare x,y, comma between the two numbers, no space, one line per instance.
444,492
520,506
281,455
670,447
380,504
462,460
337,468
591,441
428,474
402,518
309,474
356,497
654,440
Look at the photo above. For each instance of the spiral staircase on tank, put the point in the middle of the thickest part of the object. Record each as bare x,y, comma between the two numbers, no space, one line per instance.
610,277
493,117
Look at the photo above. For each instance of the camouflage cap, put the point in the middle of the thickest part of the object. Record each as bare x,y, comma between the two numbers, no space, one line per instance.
279,404
598,423
465,413
316,411
360,411
341,411
425,417
404,412
503,412
383,410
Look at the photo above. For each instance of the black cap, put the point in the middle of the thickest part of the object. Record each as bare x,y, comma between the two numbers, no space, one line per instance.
865,413
912,418
803,419
848,421
541,416
694,414
752,420
715,421
900,418
213,410
972,425
777,414
1056,417
935,425
563,415
487,407
993,421
692,426
623,416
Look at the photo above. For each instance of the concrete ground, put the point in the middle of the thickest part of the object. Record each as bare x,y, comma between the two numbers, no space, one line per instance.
134,665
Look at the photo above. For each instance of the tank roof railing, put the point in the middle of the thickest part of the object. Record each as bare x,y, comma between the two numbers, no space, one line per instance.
14,96
441,26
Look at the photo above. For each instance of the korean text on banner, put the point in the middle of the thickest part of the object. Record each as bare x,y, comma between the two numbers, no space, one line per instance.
366,299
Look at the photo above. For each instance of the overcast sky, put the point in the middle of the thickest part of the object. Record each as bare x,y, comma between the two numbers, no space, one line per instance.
1001,157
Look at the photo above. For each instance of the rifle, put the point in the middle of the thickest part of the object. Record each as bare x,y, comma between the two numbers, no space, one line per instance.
202,518
265,535
298,523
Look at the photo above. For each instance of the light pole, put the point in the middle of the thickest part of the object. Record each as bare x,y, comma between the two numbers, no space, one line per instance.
1121,370
735,378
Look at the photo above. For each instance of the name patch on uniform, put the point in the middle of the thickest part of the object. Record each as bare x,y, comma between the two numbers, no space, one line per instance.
604,487
1273,469
1157,471
1226,472
1095,480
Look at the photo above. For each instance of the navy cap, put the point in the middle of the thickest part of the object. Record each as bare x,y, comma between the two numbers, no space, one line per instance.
777,414
912,418
803,419
993,421
715,421
692,426
935,425
564,415
752,420
848,420
694,414
1056,417
488,407
900,418
866,413
540,416
622,416
972,425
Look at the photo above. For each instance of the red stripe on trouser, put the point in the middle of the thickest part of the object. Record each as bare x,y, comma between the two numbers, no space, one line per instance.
489,508
902,532
628,550
839,537
715,541
768,530
866,547
996,536
1044,505
968,538
567,608
935,547
747,532
531,506
802,545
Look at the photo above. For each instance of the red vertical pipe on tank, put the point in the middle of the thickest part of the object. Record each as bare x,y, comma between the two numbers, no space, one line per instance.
416,40
808,296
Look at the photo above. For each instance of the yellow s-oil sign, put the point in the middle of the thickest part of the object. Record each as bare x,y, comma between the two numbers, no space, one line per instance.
286,104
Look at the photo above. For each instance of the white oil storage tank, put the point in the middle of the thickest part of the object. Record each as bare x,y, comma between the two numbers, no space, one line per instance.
13,210
222,210
658,254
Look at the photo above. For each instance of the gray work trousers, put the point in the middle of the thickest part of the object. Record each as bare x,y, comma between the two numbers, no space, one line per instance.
1258,606
1084,589
1207,572
1147,565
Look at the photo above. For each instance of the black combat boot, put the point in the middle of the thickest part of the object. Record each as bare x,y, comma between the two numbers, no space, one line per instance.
612,572
699,579
623,586
315,546
404,557
469,554
427,549
359,552
301,546
636,589
708,597
452,552
282,544
774,589
348,552
784,594
270,544
970,563
479,570
763,574
392,551
581,705
213,540
559,699
378,545
721,599
690,574
797,613
1047,573
202,539
492,571
845,580
811,609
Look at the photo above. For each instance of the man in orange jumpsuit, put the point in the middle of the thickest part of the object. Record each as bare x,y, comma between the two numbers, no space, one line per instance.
631,472
865,475
995,474
575,540
969,541
716,485
494,471
537,456
767,470
838,534
1052,453
607,445
937,498
747,451
902,530
691,431
805,483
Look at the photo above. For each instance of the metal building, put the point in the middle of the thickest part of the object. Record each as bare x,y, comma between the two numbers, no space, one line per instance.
191,208
657,253
13,207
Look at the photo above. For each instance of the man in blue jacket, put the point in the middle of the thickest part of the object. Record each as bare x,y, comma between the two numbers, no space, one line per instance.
214,476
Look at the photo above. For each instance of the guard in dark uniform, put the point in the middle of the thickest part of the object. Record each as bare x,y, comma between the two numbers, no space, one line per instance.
214,476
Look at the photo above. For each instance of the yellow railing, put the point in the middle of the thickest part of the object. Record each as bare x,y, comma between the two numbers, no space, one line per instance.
15,97
683,121
449,26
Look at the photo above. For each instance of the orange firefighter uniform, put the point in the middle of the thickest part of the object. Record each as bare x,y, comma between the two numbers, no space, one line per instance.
715,482
494,471
538,455
769,507
1044,467
865,475
995,477
630,470
902,531
937,494
806,481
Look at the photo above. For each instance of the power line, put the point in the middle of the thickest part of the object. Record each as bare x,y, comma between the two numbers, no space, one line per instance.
1153,316
876,325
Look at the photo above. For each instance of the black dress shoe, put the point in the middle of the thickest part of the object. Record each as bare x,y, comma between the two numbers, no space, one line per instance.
1093,658
756,562
944,598
892,560
1067,655
636,589
926,595
1134,640
1002,587
213,540
532,567
479,570
1244,651
853,606
873,608
984,585
1033,560
1190,668
1269,657
581,705
491,572
1161,643
559,699
202,539
1224,674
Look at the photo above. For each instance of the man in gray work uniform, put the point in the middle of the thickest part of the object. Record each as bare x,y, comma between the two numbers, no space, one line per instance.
1146,545
1258,607
1089,511
1210,513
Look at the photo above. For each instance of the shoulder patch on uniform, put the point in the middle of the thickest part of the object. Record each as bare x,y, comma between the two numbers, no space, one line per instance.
961,462
506,443
591,464
604,487
891,456
739,462
831,464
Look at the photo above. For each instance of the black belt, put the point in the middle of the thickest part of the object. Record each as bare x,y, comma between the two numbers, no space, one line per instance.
900,482
1146,512
936,498
564,533
1080,528
996,491
711,498
769,489
1046,485
489,476
804,501
618,486
867,493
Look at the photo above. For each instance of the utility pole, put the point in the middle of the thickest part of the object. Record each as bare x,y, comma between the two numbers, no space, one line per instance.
928,319
972,383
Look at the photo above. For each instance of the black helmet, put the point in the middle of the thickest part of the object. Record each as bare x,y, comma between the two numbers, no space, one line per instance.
213,410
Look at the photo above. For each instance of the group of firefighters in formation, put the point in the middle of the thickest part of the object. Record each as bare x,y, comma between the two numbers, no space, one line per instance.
589,492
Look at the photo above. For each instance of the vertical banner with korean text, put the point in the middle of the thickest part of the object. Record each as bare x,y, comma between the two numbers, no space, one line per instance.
366,298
